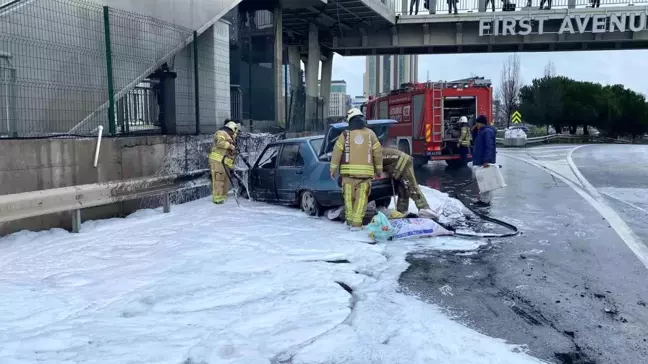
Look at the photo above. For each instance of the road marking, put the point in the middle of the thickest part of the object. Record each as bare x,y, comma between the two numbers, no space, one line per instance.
622,229
626,202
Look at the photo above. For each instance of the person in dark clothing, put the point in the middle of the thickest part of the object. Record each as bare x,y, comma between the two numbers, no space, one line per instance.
484,152
414,6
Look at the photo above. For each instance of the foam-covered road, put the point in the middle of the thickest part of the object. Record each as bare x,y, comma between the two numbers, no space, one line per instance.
568,287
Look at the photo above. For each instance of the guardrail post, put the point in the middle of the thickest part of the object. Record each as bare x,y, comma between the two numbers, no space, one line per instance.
76,221
166,203
112,126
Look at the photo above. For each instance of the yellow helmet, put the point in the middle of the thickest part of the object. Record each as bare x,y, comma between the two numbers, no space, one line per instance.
232,126
353,112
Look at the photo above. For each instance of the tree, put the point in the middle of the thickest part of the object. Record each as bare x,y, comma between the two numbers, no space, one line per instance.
511,83
566,103
550,70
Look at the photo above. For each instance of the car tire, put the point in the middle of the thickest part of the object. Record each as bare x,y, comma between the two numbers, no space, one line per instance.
308,203
383,202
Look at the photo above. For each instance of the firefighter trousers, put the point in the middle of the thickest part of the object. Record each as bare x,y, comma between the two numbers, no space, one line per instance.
356,193
220,182
409,188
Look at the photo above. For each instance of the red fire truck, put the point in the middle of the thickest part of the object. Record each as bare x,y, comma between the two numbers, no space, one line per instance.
427,115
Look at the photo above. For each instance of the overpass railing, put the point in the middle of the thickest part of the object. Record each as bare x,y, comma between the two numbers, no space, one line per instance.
402,7
559,138
74,198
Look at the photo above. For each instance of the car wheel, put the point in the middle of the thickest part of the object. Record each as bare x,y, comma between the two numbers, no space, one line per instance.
383,202
309,204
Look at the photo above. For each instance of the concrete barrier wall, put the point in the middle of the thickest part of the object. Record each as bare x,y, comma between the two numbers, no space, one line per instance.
32,165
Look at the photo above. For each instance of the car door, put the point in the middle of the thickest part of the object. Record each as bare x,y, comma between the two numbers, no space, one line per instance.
290,169
262,176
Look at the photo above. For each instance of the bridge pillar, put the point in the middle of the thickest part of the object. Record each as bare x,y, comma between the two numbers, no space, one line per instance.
571,4
325,87
312,75
294,63
280,113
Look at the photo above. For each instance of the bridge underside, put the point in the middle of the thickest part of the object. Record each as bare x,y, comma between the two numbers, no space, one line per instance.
441,33
335,18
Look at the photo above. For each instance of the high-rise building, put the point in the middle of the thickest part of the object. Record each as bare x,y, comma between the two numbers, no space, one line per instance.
386,73
338,100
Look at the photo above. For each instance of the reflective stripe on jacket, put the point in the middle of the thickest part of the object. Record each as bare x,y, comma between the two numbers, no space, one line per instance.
221,151
395,162
357,153
465,138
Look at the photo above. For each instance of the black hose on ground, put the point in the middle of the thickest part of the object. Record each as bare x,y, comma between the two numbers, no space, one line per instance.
513,228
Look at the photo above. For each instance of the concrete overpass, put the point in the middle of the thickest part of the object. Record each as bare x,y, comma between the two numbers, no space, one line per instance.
530,30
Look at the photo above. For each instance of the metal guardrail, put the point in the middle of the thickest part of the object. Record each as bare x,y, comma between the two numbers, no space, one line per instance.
564,137
74,198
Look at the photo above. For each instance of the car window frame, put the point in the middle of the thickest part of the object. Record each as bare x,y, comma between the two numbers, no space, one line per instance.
260,159
283,146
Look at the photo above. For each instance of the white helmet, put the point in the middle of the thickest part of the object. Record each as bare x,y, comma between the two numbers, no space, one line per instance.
463,119
232,126
353,112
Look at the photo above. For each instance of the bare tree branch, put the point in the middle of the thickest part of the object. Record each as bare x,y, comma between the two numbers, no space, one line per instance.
509,91
550,70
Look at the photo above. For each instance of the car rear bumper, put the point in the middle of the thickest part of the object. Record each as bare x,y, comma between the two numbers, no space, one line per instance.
379,189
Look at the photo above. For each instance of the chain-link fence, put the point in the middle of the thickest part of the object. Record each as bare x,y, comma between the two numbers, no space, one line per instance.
70,66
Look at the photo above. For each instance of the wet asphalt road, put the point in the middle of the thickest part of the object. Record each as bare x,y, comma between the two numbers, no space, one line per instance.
567,287
620,174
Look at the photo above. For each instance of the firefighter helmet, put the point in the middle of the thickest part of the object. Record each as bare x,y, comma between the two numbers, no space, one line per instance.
232,126
463,120
353,112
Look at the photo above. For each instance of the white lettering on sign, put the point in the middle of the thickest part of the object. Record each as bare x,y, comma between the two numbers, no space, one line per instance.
584,23
399,99
396,113
406,113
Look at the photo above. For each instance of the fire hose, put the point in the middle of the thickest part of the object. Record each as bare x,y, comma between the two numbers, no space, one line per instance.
513,228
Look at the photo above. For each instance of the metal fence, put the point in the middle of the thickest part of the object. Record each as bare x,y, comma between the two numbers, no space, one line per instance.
69,66
402,7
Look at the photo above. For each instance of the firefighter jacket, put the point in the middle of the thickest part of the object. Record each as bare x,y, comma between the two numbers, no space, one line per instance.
395,162
357,153
465,138
223,149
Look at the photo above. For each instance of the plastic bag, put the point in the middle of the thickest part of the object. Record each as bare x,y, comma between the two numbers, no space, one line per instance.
412,228
391,214
489,179
380,228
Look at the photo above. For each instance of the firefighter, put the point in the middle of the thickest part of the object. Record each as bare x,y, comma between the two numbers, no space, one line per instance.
465,139
399,167
358,156
221,160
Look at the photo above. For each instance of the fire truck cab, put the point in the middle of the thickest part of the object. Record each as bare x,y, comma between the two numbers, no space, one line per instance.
428,115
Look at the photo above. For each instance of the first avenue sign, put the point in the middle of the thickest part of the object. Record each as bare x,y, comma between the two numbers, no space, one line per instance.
571,24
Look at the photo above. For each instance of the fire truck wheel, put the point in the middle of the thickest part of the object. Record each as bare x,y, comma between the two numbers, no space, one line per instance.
419,162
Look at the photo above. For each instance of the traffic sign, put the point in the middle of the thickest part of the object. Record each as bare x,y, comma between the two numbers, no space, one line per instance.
516,117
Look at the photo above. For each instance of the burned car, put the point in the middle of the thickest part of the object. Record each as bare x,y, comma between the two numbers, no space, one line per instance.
295,172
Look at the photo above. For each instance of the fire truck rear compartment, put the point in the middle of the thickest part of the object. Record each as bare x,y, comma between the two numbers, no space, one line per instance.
453,109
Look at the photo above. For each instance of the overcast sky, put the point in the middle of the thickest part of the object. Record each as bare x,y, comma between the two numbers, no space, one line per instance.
629,68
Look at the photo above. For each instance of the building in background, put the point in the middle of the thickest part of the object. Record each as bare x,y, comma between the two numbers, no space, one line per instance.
339,101
358,101
386,73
